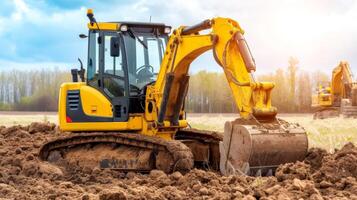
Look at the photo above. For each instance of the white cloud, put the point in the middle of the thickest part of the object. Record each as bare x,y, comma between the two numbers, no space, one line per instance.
20,9
33,34
26,14
319,33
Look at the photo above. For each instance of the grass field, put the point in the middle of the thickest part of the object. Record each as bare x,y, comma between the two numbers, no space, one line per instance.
24,118
328,133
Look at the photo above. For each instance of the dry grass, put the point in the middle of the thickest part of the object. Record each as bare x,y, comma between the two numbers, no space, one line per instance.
328,133
25,119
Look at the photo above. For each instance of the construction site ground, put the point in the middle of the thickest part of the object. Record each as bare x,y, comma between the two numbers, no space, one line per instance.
328,134
322,175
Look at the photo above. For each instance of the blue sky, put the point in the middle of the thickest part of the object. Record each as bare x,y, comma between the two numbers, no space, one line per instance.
44,33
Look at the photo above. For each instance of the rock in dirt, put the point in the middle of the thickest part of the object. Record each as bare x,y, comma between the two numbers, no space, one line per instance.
15,131
273,189
157,174
298,184
325,184
176,175
41,127
51,170
85,197
299,170
113,196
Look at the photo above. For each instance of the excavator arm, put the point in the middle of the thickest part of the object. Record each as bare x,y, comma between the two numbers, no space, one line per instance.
342,82
258,141
231,52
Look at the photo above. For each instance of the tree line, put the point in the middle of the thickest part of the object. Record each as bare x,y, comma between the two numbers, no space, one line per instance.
37,90
209,91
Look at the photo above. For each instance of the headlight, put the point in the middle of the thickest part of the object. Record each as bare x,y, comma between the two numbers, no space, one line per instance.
123,28
167,30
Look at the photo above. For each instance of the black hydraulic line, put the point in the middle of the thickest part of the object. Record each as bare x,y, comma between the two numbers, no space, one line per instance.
165,97
180,99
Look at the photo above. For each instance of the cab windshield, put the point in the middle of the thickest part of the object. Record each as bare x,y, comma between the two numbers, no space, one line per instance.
138,61
144,54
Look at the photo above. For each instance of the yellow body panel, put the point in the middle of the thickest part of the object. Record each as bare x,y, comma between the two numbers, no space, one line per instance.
96,103
321,100
133,124
90,98
104,26
322,97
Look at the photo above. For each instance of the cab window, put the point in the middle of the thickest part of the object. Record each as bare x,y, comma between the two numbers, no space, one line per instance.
112,65
114,77
144,55
93,55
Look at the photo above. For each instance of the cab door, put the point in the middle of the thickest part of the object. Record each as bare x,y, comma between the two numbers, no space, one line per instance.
113,74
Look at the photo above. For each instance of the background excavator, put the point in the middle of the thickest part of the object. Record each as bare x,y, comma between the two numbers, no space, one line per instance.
338,96
127,112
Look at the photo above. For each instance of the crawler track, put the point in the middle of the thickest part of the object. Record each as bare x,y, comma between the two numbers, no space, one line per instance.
327,112
161,154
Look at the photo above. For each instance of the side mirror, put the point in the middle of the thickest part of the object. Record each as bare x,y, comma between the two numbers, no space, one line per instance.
82,36
114,47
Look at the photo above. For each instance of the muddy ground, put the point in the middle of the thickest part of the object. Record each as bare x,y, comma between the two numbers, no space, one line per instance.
23,176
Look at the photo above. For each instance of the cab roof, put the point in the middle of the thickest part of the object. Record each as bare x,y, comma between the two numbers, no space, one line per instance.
136,26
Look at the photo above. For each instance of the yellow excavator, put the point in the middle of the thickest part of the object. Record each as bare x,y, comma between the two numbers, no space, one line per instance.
337,97
127,111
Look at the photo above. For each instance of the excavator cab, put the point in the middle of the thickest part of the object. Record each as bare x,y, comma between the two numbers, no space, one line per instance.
122,63
322,95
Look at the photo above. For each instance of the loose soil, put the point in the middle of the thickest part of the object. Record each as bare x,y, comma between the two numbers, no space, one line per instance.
22,176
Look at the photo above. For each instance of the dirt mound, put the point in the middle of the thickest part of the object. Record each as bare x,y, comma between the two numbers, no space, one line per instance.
23,176
333,175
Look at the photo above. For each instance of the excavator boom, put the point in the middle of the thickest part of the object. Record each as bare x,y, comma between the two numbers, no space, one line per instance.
230,51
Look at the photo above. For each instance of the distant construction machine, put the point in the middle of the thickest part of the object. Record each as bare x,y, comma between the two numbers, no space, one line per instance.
337,97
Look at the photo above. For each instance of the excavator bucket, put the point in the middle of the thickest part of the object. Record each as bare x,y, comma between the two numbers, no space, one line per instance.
258,149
